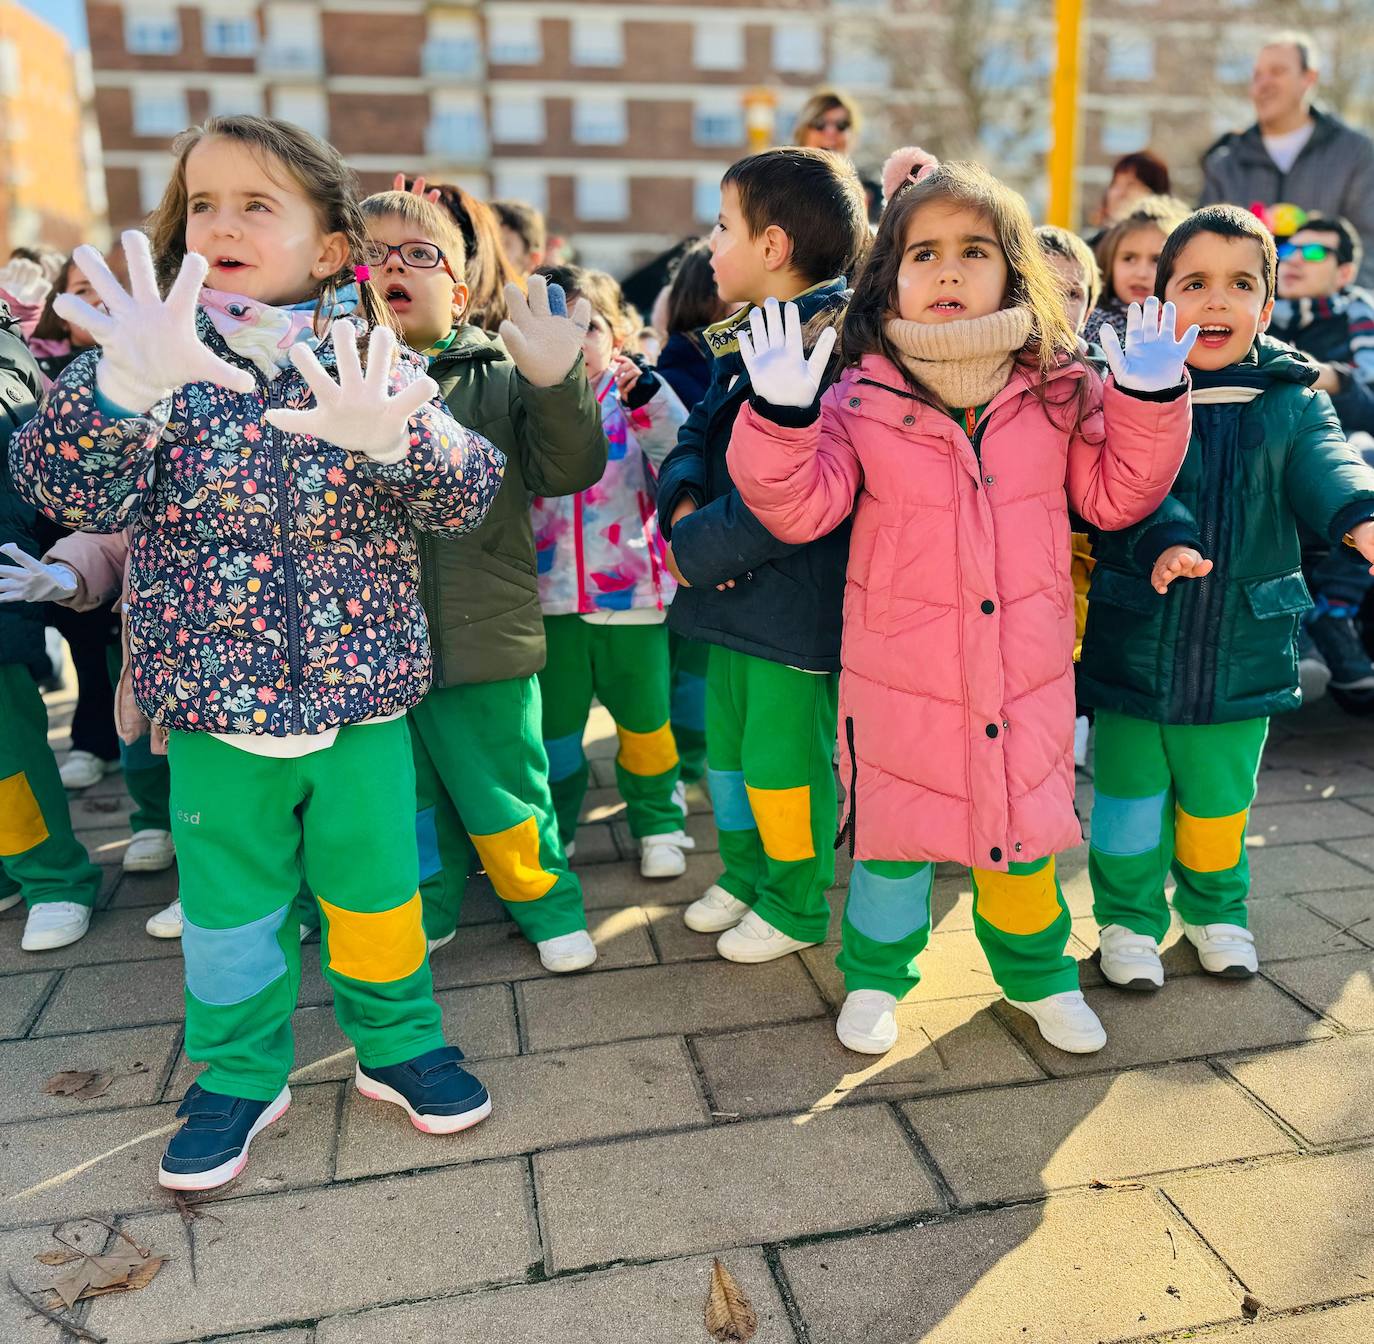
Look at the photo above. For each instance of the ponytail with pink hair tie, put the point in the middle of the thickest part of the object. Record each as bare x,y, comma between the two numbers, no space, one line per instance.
909,164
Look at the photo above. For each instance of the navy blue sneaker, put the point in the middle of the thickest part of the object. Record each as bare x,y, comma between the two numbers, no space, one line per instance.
211,1148
434,1089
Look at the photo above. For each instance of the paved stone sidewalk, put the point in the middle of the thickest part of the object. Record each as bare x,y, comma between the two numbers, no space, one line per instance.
972,1186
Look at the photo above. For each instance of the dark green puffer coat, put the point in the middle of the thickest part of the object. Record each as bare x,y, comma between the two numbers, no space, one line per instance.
1222,648
21,385
479,590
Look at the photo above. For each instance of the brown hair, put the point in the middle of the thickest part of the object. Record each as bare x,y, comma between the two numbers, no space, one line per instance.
692,298
49,326
814,197
1057,242
426,218
602,291
523,220
1030,281
315,166
1164,213
1147,168
1227,221
821,102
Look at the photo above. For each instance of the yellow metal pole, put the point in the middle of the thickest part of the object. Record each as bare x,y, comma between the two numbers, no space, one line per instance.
1062,162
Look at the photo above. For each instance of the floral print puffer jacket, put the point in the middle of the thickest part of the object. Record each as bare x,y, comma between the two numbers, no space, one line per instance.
274,586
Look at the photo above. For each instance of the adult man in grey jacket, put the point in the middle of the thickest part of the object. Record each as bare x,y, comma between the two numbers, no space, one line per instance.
1294,153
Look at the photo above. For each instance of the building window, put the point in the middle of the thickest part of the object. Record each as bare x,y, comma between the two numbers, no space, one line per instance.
453,48
599,121
229,34
293,40
857,61
307,108
706,199
517,119
152,182
159,111
457,129
235,98
718,44
521,184
1130,57
1124,132
601,196
796,48
152,31
718,124
598,42
1235,61
9,67
514,39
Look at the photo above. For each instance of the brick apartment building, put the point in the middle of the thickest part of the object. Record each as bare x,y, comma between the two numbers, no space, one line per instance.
619,118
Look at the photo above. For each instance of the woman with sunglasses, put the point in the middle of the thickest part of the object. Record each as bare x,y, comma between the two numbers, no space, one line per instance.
830,120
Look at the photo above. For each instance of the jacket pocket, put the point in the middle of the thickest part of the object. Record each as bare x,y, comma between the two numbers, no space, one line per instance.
1116,588
1281,595
882,567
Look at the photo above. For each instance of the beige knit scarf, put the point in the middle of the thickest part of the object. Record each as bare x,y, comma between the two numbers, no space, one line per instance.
962,363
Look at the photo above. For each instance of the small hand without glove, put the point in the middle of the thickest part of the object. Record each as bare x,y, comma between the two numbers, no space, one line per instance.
33,581
358,413
1153,359
1178,562
149,347
778,367
542,339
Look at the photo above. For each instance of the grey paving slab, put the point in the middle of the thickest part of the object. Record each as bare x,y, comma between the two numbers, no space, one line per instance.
1292,784
663,1303
1290,870
1289,823
1352,1324
481,904
1352,911
596,844
663,1001
114,936
1339,986
1324,1090
20,996
316,1253
116,995
803,1067
609,886
736,1184
952,966
604,804
19,1325
1360,850
1072,1131
1074,1269
107,1163
674,940
144,891
701,827
92,811
106,844
1190,1017
538,1101
136,1059
1293,1232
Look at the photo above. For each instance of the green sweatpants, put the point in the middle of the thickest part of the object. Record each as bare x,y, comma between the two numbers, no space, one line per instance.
245,827
1172,795
146,775
770,740
1020,917
40,855
626,668
687,659
481,774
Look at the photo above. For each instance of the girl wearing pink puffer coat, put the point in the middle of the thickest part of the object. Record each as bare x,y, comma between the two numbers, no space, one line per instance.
962,431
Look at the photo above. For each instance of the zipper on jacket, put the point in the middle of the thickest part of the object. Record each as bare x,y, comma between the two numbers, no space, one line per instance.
429,559
293,633
1202,597
849,827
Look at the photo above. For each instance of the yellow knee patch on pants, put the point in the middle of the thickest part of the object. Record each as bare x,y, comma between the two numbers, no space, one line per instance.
1018,902
22,827
783,817
647,753
377,947
1209,844
511,858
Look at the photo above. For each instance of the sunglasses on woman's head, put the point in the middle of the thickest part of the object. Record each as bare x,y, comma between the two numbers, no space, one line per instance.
1308,251
821,124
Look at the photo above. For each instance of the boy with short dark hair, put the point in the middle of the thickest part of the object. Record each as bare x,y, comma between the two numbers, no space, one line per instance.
1184,676
791,225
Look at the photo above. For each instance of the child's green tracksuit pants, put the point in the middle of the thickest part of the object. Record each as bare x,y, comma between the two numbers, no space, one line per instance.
770,742
40,856
1172,795
481,773
626,668
687,659
245,827
1019,916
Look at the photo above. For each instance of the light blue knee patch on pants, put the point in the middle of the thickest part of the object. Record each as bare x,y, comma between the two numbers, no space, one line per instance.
1125,827
730,800
565,756
227,966
888,909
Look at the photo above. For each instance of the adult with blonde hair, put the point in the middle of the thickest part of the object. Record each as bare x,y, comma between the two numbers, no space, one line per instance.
829,120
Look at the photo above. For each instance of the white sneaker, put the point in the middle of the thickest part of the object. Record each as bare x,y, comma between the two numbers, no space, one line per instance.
714,912
754,940
680,797
1080,740
1130,960
662,856
166,923
149,852
1066,1022
55,924
436,943
569,850
1224,949
568,952
868,1021
81,769
10,901
1313,677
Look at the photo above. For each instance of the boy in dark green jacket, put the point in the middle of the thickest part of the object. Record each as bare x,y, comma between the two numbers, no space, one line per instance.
1185,677
481,771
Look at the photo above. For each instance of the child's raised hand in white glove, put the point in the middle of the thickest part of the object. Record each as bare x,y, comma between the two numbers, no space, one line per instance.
1153,358
149,347
32,580
542,339
24,281
358,413
778,366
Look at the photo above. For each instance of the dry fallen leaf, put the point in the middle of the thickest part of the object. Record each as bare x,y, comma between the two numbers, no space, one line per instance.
1115,1185
94,1275
86,1084
57,1257
729,1316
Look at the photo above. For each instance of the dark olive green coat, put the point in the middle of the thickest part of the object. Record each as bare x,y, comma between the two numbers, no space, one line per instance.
479,590
1222,648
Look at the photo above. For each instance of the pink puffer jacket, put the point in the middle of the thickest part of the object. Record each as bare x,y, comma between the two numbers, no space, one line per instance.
956,698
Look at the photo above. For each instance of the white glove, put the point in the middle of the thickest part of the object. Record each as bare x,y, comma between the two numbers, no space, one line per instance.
33,581
778,367
150,348
358,413
542,339
24,281
1153,359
